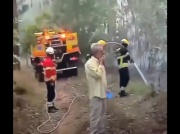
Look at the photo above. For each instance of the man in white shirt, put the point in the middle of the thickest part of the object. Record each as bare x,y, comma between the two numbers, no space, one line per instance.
97,83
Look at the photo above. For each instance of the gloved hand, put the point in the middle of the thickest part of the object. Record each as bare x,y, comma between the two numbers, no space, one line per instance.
131,61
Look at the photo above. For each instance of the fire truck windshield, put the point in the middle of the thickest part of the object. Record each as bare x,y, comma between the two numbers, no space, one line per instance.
55,42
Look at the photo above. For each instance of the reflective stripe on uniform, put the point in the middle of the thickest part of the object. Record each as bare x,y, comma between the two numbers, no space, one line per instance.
49,104
49,68
122,65
51,78
47,79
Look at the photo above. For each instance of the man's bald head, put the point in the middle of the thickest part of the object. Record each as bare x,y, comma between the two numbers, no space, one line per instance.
96,50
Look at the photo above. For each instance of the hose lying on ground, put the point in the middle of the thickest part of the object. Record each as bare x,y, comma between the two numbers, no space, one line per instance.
58,123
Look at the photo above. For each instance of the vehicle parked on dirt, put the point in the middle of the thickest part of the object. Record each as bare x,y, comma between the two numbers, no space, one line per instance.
66,49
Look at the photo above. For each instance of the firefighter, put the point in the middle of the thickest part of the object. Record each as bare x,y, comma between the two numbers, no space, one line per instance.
100,42
123,67
49,68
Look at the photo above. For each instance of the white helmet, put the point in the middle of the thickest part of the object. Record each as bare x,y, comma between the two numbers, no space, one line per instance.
50,50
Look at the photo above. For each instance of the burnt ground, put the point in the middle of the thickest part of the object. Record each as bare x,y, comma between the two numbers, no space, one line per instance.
137,114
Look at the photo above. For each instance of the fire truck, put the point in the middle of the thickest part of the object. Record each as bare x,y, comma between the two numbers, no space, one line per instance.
66,49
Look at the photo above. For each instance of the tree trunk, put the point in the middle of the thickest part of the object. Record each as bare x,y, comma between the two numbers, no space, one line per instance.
15,25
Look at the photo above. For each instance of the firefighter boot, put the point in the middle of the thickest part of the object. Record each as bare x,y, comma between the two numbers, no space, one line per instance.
55,107
51,110
123,94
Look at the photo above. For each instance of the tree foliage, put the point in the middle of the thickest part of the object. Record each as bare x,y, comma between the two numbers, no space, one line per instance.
100,19
88,18
143,22
149,19
29,37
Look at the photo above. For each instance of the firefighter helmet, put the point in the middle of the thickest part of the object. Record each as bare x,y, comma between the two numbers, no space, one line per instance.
50,50
102,42
125,41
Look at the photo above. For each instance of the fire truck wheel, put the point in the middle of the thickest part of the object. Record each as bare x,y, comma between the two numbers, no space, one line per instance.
41,77
75,72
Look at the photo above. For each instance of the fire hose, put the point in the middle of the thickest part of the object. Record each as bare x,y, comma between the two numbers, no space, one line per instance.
58,123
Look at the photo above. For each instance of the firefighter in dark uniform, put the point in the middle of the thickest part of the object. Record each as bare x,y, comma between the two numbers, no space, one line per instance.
49,68
123,60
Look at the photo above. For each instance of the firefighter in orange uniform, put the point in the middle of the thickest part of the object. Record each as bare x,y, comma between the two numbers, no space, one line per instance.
49,68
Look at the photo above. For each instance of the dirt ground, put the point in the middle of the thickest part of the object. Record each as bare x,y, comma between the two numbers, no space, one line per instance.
130,115
136,114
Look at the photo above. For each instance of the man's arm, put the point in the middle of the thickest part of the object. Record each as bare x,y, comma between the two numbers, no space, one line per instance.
94,71
124,53
129,57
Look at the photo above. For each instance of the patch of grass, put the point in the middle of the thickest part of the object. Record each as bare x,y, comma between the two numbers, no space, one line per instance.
27,102
139,88
25,84
145,112
160,104
146,117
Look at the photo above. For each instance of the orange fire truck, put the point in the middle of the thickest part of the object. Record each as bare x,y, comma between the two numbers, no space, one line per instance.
66,49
